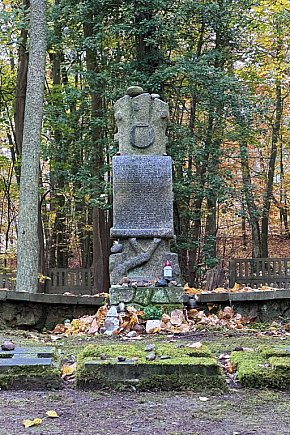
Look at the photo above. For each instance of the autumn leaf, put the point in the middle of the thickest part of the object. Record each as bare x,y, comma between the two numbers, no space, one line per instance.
29,423
68,369
52,414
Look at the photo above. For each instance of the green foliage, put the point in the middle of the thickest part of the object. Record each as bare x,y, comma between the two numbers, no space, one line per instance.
152,312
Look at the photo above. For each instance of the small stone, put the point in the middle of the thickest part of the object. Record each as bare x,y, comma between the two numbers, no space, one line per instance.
133,91
8,345
161,283
177,317
121,358
116,248
151,356
165,357
103,356
149,347
139,329
155,96
153,326
239,349
131,334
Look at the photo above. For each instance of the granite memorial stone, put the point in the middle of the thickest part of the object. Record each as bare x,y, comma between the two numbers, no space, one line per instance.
142,190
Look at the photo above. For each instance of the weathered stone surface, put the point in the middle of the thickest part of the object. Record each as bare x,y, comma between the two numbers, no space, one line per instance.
24,361
142,191
152,325
160,296
145,296
143,261
142,123
118,295
143,198
133,91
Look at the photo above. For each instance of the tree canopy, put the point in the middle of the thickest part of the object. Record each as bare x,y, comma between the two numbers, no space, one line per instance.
222,65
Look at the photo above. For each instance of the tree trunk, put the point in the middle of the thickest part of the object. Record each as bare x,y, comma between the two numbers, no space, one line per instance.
250,202
20,91
271,170
28,242
100,231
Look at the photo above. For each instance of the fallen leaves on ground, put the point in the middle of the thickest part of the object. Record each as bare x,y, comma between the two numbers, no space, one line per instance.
237,288
68,372
29,423
178,322
52,414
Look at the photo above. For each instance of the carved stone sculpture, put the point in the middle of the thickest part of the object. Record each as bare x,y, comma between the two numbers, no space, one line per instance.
142,190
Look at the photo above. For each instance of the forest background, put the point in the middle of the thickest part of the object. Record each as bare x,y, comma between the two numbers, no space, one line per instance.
223,67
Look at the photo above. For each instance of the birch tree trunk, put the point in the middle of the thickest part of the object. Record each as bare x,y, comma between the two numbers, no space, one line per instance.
28,244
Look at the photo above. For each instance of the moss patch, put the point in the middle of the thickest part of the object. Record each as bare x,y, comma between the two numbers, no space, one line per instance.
184,367
266,367
30,378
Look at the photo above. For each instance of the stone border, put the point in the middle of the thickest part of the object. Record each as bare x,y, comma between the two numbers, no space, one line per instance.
259,295
45,298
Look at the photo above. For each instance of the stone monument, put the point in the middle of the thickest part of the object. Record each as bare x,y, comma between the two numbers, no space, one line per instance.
142,200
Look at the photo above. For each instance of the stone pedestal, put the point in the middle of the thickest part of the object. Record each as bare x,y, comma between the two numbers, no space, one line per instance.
141,297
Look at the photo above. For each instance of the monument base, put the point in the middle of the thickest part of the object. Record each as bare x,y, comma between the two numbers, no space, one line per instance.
141,297
142,259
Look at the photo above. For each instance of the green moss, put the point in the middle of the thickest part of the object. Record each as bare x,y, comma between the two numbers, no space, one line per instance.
255,370
280,362
152,312
186,368
30,377
168,308
194,382
268,351
137,350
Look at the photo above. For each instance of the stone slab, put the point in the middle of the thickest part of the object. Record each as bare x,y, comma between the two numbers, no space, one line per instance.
16,361
142,197
51,298
44,352
261,295
133,371
145,296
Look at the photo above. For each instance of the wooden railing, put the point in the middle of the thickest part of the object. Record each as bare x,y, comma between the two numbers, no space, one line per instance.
8,281
254,272
75,281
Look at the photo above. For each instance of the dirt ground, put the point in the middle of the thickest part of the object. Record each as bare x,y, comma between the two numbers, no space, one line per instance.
93,413
239,411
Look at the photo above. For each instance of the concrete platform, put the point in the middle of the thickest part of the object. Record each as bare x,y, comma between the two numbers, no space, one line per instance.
40,310
259,305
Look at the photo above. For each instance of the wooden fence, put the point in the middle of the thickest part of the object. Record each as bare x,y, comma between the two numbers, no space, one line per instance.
254,272
8,281
75,281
